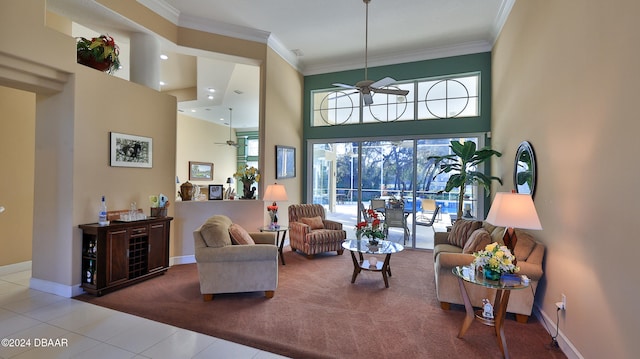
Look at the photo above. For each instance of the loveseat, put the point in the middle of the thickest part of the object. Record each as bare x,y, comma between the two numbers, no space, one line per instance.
455,248
231,260
311,233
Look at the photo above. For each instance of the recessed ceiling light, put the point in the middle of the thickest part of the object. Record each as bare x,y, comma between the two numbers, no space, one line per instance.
193,110
238,92
164,57
210,97
221,119
212,90
162,83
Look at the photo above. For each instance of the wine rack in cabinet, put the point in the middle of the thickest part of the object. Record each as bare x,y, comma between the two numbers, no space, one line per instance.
123,253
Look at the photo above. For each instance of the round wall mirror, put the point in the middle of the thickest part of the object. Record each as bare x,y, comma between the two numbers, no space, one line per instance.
524,173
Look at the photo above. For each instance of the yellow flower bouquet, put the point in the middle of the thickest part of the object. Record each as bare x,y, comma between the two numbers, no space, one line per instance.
495,260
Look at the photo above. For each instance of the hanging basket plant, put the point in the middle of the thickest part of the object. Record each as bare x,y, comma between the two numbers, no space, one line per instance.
100,53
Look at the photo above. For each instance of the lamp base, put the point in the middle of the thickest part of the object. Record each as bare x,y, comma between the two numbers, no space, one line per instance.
510,240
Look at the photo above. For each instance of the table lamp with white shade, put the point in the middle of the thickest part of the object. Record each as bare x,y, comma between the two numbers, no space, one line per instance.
513,210
275,192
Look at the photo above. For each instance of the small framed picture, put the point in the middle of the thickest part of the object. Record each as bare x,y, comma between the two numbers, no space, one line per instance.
131,151
200,171
216,191
285,162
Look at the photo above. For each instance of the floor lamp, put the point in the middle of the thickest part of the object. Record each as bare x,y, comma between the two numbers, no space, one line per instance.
513,210
275,192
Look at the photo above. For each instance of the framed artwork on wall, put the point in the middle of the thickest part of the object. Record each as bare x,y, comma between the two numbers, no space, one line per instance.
200,171
216,191
285,162
130,150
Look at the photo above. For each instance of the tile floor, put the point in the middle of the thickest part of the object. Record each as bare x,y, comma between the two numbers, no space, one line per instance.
95,332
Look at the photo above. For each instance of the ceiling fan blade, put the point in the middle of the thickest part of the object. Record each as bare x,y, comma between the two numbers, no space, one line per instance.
368,99
383,82
391,91
344,85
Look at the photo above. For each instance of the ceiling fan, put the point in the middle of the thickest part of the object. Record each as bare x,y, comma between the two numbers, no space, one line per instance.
229,142
366,87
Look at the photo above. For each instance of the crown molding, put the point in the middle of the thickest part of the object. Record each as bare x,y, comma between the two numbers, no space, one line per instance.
466,48
288,55
501,19
220,28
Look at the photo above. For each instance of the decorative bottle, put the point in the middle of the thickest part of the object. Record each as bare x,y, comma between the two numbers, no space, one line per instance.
89,272
102,214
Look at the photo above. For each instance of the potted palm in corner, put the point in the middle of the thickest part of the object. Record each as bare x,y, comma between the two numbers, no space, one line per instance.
463,164
100,53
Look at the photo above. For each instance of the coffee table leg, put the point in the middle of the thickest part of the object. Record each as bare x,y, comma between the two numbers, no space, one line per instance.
386,270
468,319
502,300
356,267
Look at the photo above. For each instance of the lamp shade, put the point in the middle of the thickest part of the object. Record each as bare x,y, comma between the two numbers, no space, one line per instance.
514,210
275,192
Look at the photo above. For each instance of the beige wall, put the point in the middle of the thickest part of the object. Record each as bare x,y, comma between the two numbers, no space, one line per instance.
17,147
565,77
77,107
283,124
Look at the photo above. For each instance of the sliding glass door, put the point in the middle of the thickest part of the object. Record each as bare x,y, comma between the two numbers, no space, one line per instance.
347,176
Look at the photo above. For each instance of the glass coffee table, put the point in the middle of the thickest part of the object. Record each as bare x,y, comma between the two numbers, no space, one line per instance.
499,305
363,247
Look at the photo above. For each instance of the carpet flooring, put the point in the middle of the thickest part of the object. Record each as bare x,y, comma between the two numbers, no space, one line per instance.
318,313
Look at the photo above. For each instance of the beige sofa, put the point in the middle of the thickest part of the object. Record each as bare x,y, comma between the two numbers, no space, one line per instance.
225,267
448,253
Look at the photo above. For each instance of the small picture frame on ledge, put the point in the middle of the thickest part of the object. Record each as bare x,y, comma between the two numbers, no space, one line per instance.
200,171
216,191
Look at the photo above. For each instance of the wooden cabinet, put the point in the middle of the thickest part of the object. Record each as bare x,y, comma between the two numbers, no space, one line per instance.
123,253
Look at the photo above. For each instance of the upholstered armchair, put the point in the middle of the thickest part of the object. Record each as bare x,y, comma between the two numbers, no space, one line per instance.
231,260
311,233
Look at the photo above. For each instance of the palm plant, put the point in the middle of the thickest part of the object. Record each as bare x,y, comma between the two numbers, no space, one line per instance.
463,162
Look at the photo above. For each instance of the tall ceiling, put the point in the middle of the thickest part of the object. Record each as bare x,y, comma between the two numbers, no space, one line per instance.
314,36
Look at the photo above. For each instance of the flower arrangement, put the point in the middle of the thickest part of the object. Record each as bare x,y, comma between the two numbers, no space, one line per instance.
495,259
273,213
373,229
100,53
248,175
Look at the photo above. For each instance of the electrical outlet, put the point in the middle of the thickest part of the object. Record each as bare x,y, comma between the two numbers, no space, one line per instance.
563,304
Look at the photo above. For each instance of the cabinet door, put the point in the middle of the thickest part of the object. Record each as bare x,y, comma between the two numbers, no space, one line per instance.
117,260
158,246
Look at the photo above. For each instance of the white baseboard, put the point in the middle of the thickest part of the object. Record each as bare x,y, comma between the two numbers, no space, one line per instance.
182,260
62,290
563,342
15,268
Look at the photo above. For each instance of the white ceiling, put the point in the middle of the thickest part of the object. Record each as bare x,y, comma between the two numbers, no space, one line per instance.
314,36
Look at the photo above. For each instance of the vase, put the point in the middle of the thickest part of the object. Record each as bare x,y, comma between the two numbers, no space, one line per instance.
491,274
247,191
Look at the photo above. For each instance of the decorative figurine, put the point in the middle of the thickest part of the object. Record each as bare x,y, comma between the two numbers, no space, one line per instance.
487,309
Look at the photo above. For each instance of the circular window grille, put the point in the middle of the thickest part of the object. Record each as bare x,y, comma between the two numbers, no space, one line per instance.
447,98
390,108
336,108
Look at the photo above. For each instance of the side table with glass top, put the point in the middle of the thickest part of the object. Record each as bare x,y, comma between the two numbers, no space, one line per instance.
499,305
363,247
279,237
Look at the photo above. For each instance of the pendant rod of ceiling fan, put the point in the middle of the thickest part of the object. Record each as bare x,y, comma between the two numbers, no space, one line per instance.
366,38
230,119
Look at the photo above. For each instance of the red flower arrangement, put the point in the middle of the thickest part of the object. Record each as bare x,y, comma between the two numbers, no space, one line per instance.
373,230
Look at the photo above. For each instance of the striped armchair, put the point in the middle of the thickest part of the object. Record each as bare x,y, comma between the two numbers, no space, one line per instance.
311,233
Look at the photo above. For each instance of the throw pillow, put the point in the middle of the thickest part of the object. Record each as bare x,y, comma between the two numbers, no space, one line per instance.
477,241
239,235
313,222
461,231
215,232
524,246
